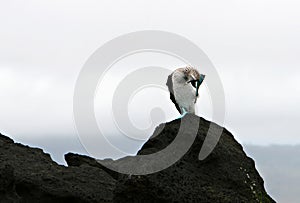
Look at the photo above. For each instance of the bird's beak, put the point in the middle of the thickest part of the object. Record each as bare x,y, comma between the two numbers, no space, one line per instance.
201,79
199,82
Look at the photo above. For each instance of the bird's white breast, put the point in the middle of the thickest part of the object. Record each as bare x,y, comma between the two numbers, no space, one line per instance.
184,95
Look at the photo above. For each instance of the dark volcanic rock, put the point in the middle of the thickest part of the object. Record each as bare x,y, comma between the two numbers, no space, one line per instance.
226,175
29,175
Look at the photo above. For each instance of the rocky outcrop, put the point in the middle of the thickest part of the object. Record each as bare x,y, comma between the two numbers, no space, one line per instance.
29,175
226,175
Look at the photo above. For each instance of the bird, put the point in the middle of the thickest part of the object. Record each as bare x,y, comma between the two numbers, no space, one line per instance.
183,85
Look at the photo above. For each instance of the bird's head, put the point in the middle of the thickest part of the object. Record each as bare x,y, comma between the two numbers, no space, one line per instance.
189,75
192,76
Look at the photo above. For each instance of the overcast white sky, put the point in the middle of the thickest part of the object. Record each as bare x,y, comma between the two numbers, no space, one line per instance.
254,46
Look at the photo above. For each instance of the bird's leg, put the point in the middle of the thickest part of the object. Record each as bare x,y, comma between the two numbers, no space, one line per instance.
184,112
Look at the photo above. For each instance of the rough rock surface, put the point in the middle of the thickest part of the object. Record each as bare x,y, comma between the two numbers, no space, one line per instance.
29,175
226,175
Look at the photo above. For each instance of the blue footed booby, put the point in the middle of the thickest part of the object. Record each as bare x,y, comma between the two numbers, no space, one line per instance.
183,85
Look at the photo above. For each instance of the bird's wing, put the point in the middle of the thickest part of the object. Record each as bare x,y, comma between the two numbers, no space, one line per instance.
172,97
